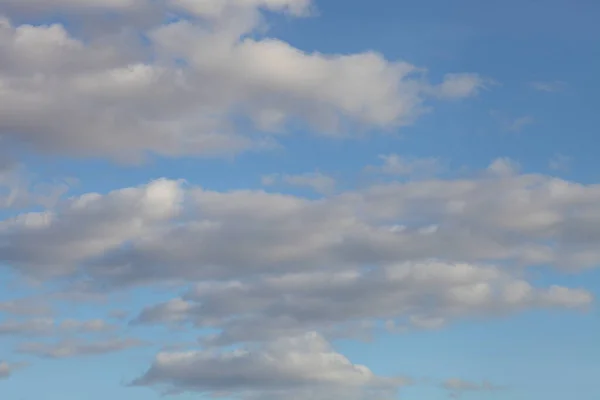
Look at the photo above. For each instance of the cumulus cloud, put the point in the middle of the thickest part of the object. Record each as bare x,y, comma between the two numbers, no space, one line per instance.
73,348
109,221
418,295
164,231
298,367
99,95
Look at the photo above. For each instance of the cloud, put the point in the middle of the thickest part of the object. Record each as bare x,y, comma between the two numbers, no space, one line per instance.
26,306
394,164
457,387
71,348
518,124
458,86
6,369
48,326
18,189
550,87
559,162
417,295
512,124
86,226
300,367
316,181
213,76
504,167
166,231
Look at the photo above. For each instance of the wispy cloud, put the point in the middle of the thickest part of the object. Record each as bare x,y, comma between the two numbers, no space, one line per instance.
550,87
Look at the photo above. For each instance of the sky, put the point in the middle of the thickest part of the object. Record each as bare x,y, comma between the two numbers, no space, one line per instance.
299,199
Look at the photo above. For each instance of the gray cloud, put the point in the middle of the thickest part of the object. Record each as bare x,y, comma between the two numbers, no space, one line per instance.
6,369
418,295
165,232
457,387
298,367
49,326
26,306
19,190
72,348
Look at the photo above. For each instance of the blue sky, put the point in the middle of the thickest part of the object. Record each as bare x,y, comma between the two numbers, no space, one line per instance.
384,199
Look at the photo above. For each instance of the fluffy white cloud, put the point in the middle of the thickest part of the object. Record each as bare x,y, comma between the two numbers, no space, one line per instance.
298,367
98,94
86,227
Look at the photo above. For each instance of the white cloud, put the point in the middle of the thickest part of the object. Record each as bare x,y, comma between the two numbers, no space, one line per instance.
299,367
458,86
504,167
98,94
163,231
87,226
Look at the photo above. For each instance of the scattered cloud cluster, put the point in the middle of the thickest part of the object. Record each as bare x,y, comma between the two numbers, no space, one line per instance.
275,278
437,251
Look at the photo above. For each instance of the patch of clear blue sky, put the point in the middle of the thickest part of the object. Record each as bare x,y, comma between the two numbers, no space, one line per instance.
537,355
